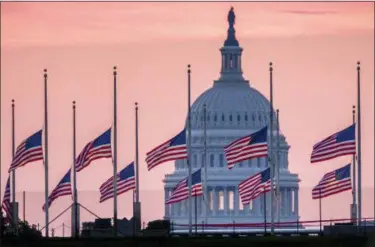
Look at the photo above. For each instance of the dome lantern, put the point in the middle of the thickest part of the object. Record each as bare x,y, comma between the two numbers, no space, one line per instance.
231,70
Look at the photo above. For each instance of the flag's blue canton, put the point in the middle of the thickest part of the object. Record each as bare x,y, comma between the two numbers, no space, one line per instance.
66,178
127,172
34,140
259,136
347,134
266,175
343,172
196,178
125,181
179,139
103,139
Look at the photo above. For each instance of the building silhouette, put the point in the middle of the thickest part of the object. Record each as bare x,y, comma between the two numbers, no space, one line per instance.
233,109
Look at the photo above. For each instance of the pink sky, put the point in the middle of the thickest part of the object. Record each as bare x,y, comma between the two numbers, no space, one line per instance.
314,48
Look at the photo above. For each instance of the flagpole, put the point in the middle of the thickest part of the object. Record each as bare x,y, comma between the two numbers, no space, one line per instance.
196,216
265,211
359,144
189,153
137,207
46,150
320,210
205,162
114,150
75,194
14,206
354,191
278,167
271,150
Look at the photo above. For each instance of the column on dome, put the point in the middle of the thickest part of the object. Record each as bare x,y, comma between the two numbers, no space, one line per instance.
226,200
296,192
283,201
215,201
289,200
236,201
166,196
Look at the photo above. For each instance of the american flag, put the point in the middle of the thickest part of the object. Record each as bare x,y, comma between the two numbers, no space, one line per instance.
333,182
6,206
173,149
96,149
255,185
339,144
247,147
125,182
29,150
63,188
181,191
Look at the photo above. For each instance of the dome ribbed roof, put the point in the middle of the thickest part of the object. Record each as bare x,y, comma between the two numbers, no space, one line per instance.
231,105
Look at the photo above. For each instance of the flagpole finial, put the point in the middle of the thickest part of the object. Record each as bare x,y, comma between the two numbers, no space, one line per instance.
45,73
358,65
189,70
136,105
353,109
114,70
74,104
271,66
12,101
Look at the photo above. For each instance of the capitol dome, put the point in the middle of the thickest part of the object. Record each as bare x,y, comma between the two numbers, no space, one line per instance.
234,109
231,105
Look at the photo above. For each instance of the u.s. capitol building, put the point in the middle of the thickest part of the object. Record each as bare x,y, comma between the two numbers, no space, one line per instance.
233,109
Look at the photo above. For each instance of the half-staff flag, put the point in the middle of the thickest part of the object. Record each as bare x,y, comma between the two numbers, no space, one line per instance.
28,151
96,149
6,206
333,182
252,187
173,149
125,181
181,191
339,144
63,188
248,147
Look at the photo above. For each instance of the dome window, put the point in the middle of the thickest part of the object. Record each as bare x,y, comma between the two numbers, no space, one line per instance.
208,118
222,118
260,118
221,160
246,117
253,116
238,117
215,117
230,117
